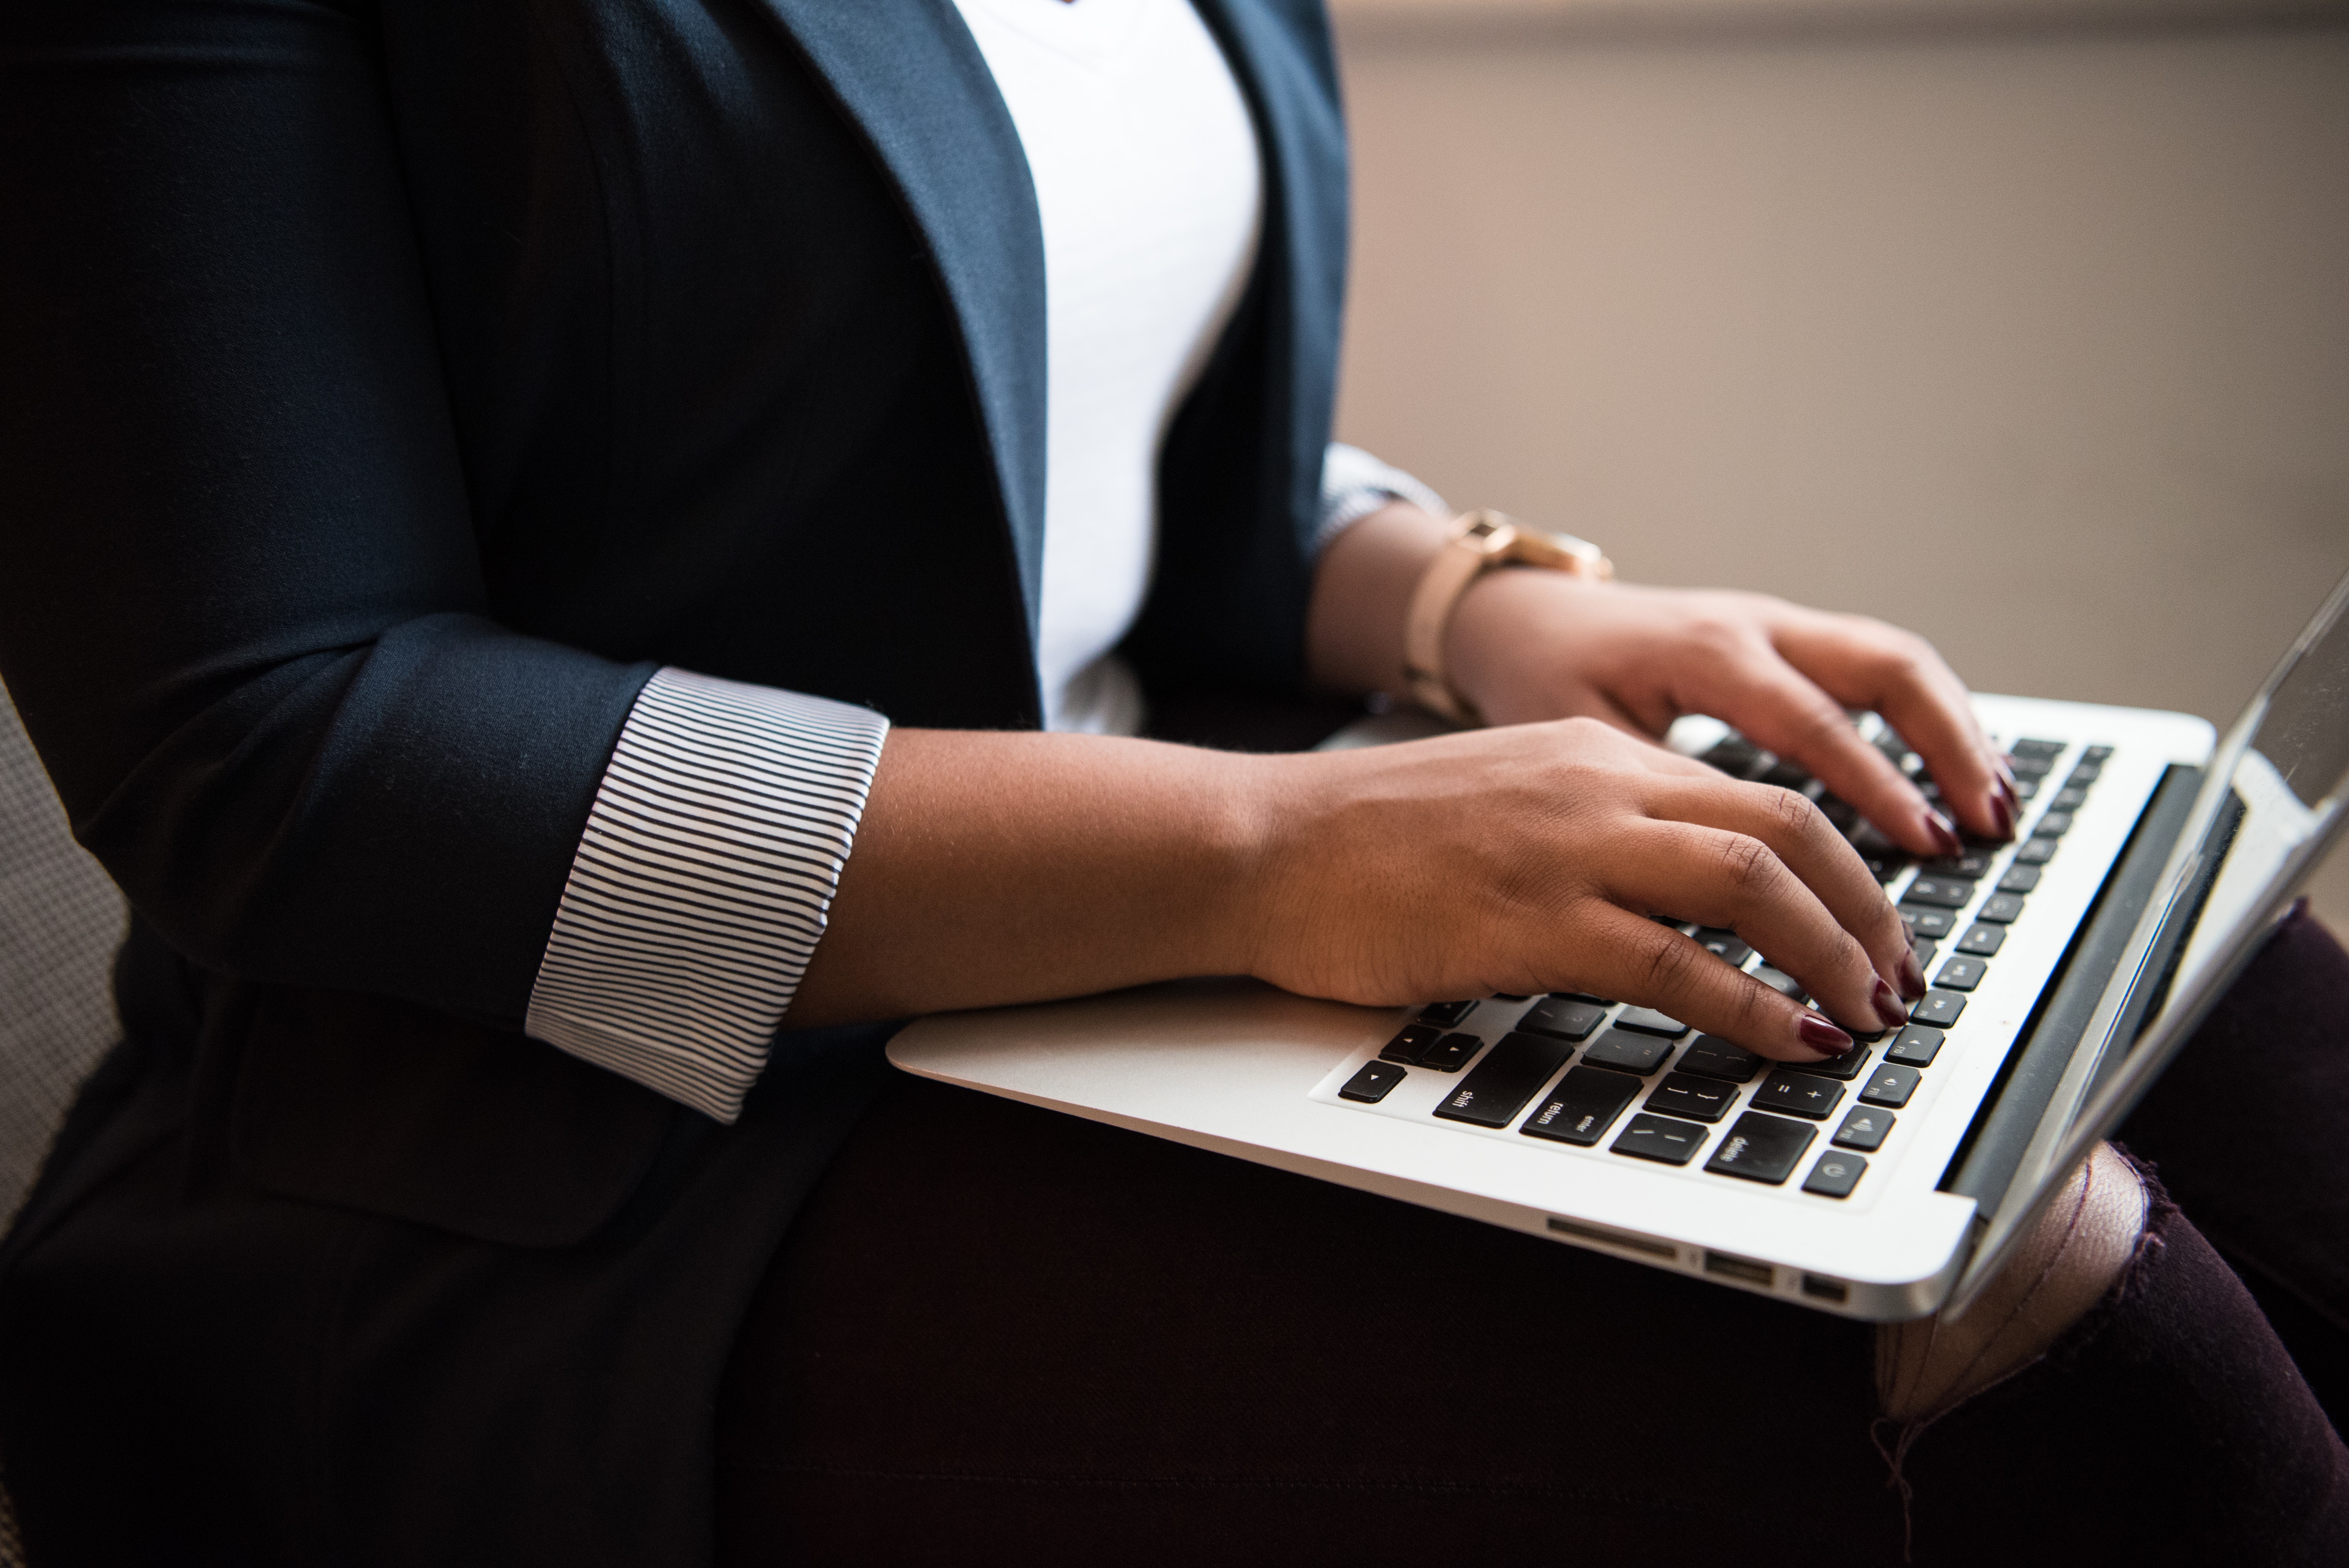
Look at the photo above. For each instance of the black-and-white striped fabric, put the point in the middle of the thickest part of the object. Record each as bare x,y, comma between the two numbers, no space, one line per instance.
702,884
1355,484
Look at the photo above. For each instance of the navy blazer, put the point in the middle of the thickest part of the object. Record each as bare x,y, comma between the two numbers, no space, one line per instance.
386,390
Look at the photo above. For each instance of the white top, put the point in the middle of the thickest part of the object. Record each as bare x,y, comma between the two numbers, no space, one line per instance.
705,875
1147,181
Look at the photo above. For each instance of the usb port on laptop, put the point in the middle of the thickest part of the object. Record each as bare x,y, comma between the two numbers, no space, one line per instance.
1737,1268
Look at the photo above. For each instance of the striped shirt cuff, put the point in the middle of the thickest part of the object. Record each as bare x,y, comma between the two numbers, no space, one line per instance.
702,883
1355,484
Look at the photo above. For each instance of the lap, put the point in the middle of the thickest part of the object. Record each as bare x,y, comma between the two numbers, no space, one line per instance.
996,1323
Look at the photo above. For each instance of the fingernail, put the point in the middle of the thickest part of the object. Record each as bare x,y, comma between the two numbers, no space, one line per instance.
1821,1035
2005,776
2004,814
1888,1010
1912,977
1943,833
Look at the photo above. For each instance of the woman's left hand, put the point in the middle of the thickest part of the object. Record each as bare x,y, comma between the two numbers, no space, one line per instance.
1527,644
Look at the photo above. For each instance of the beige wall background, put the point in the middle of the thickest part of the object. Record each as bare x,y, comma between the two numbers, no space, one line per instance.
2026,327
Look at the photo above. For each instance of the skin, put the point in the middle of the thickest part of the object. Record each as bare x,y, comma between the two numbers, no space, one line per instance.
1525,856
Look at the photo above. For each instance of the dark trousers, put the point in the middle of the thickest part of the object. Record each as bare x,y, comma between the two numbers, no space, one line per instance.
1000,1334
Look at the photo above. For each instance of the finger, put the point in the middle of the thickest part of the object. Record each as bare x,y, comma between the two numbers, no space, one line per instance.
1866,663
1781,708
1803,838
1735,880
1656,967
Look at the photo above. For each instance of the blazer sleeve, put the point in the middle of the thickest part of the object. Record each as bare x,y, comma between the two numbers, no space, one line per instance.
240,607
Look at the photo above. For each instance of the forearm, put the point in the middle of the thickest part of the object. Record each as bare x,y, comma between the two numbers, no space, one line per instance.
1361,590
998,868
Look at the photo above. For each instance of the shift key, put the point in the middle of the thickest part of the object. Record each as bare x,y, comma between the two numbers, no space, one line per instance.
1508,1076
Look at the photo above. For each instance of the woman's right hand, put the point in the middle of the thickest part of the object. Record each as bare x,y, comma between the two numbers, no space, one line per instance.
1528,859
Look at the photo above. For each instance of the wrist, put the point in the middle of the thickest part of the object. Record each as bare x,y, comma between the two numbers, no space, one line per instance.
1498,622
1480,544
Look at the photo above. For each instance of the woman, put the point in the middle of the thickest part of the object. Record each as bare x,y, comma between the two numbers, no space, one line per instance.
541,540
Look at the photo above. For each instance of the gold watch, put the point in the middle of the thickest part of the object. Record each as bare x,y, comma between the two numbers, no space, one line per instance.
1480,541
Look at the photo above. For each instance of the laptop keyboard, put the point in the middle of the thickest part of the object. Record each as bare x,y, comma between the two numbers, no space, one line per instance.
1569,1067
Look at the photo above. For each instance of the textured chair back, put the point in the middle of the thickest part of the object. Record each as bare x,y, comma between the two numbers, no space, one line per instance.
61,919
60,922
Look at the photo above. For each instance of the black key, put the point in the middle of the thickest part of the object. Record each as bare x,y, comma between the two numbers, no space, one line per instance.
1784,775
1968,867
1447,1013
1798,1094
1582,996
1891,1085
1869,839
1961,974
1915,1047
1698,1098
2086,774
1939,1008
1406,1049
2052,825
1582,1107
2071,798
2019,879
2043,751
1929,922
1939,893
1648,1021
1661,1139
1864,1128
1450,1054
1836,1174
1640,1054
2026,789
2030,767
1507,1076
1723,945
1982,941
1843,1068
1567,1020
1889,741
1925,947
1762,1147
2095,754
1736,756
1370,1084
1509,996
1682,926
1840,814
2038,852
1885,868
1781,982
2000,909
1716,1058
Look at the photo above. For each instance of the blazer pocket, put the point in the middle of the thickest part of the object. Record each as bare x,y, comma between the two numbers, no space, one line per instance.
387,1106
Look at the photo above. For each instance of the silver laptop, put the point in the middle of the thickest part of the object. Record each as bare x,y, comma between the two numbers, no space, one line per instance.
2067,968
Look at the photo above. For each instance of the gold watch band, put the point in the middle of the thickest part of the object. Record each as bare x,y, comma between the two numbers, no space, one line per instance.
1480,541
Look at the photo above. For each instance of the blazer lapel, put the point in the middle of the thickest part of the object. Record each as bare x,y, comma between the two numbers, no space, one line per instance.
1282,54
910,74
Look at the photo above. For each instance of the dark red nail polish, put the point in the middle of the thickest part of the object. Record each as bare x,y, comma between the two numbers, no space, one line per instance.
2004,816
1943,833
1912,977
2005,777
1822,1036
1888,1010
